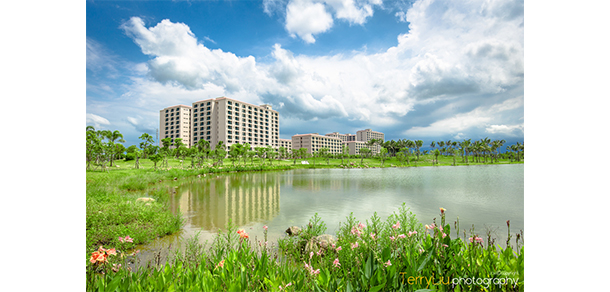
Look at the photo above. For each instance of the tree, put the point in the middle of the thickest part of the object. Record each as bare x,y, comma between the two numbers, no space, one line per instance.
137,154
112,137
364,152
344,152
234,153
165,151
270,152
147,141
418,143
382,154
436,154
324,153
260,151
203,149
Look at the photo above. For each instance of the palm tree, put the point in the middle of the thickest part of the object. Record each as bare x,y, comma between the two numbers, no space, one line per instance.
112,137
436,154
418,143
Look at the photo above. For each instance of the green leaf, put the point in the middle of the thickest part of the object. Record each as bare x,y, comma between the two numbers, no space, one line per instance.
425,261
368,267
377,288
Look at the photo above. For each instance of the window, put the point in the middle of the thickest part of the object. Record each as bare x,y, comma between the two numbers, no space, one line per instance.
208,107
165,115
208,104
207,123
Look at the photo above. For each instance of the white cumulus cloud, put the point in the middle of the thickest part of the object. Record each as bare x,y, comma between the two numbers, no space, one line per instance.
306,18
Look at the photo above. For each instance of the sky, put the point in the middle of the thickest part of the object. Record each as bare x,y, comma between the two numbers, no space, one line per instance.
421,70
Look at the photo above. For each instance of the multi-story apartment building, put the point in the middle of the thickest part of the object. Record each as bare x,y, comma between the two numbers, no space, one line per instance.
286,143
355,146
367,134
314,141
230,121
343,137
175,122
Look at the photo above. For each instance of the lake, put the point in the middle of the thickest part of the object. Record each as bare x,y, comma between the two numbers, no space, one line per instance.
483,195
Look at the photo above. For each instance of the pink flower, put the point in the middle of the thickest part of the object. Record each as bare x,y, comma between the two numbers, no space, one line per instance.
392,238
361,226
281,287
355,245
128,239
373,235
444,235
265,227
306,266
242,234
221,264
421,250
402,236
316,272
430,226
121,239
339,248
289,284
477,239
445,245
387,264
397,225
336,262
412,232
333,245
319,252
310,254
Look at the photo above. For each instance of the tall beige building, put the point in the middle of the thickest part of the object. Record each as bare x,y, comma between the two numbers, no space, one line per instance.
175,122
367,134
313,142
230,121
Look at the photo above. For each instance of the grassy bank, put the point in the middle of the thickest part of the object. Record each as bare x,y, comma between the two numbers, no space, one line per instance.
398,254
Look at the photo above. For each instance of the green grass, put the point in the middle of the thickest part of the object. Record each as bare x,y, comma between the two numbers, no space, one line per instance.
378,263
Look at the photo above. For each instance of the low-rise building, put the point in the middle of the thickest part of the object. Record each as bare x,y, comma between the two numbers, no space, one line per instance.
314,142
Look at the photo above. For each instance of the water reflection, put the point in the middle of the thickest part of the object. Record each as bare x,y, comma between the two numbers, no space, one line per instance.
485,196
209,203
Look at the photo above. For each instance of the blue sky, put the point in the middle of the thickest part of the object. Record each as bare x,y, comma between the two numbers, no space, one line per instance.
429,70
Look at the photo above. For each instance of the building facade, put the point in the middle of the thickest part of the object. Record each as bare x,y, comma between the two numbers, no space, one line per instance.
175,122
314,142
227,120
355,146
367,134
286,143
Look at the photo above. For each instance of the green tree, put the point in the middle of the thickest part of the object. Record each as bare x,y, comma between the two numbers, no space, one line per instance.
364,152
382,154
147,141
418,144
271,153
324,153
234,153
436,154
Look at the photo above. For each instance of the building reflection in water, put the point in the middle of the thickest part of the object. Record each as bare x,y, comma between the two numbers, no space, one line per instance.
209,202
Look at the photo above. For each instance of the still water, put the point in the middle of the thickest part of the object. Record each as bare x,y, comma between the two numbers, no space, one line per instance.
485,196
